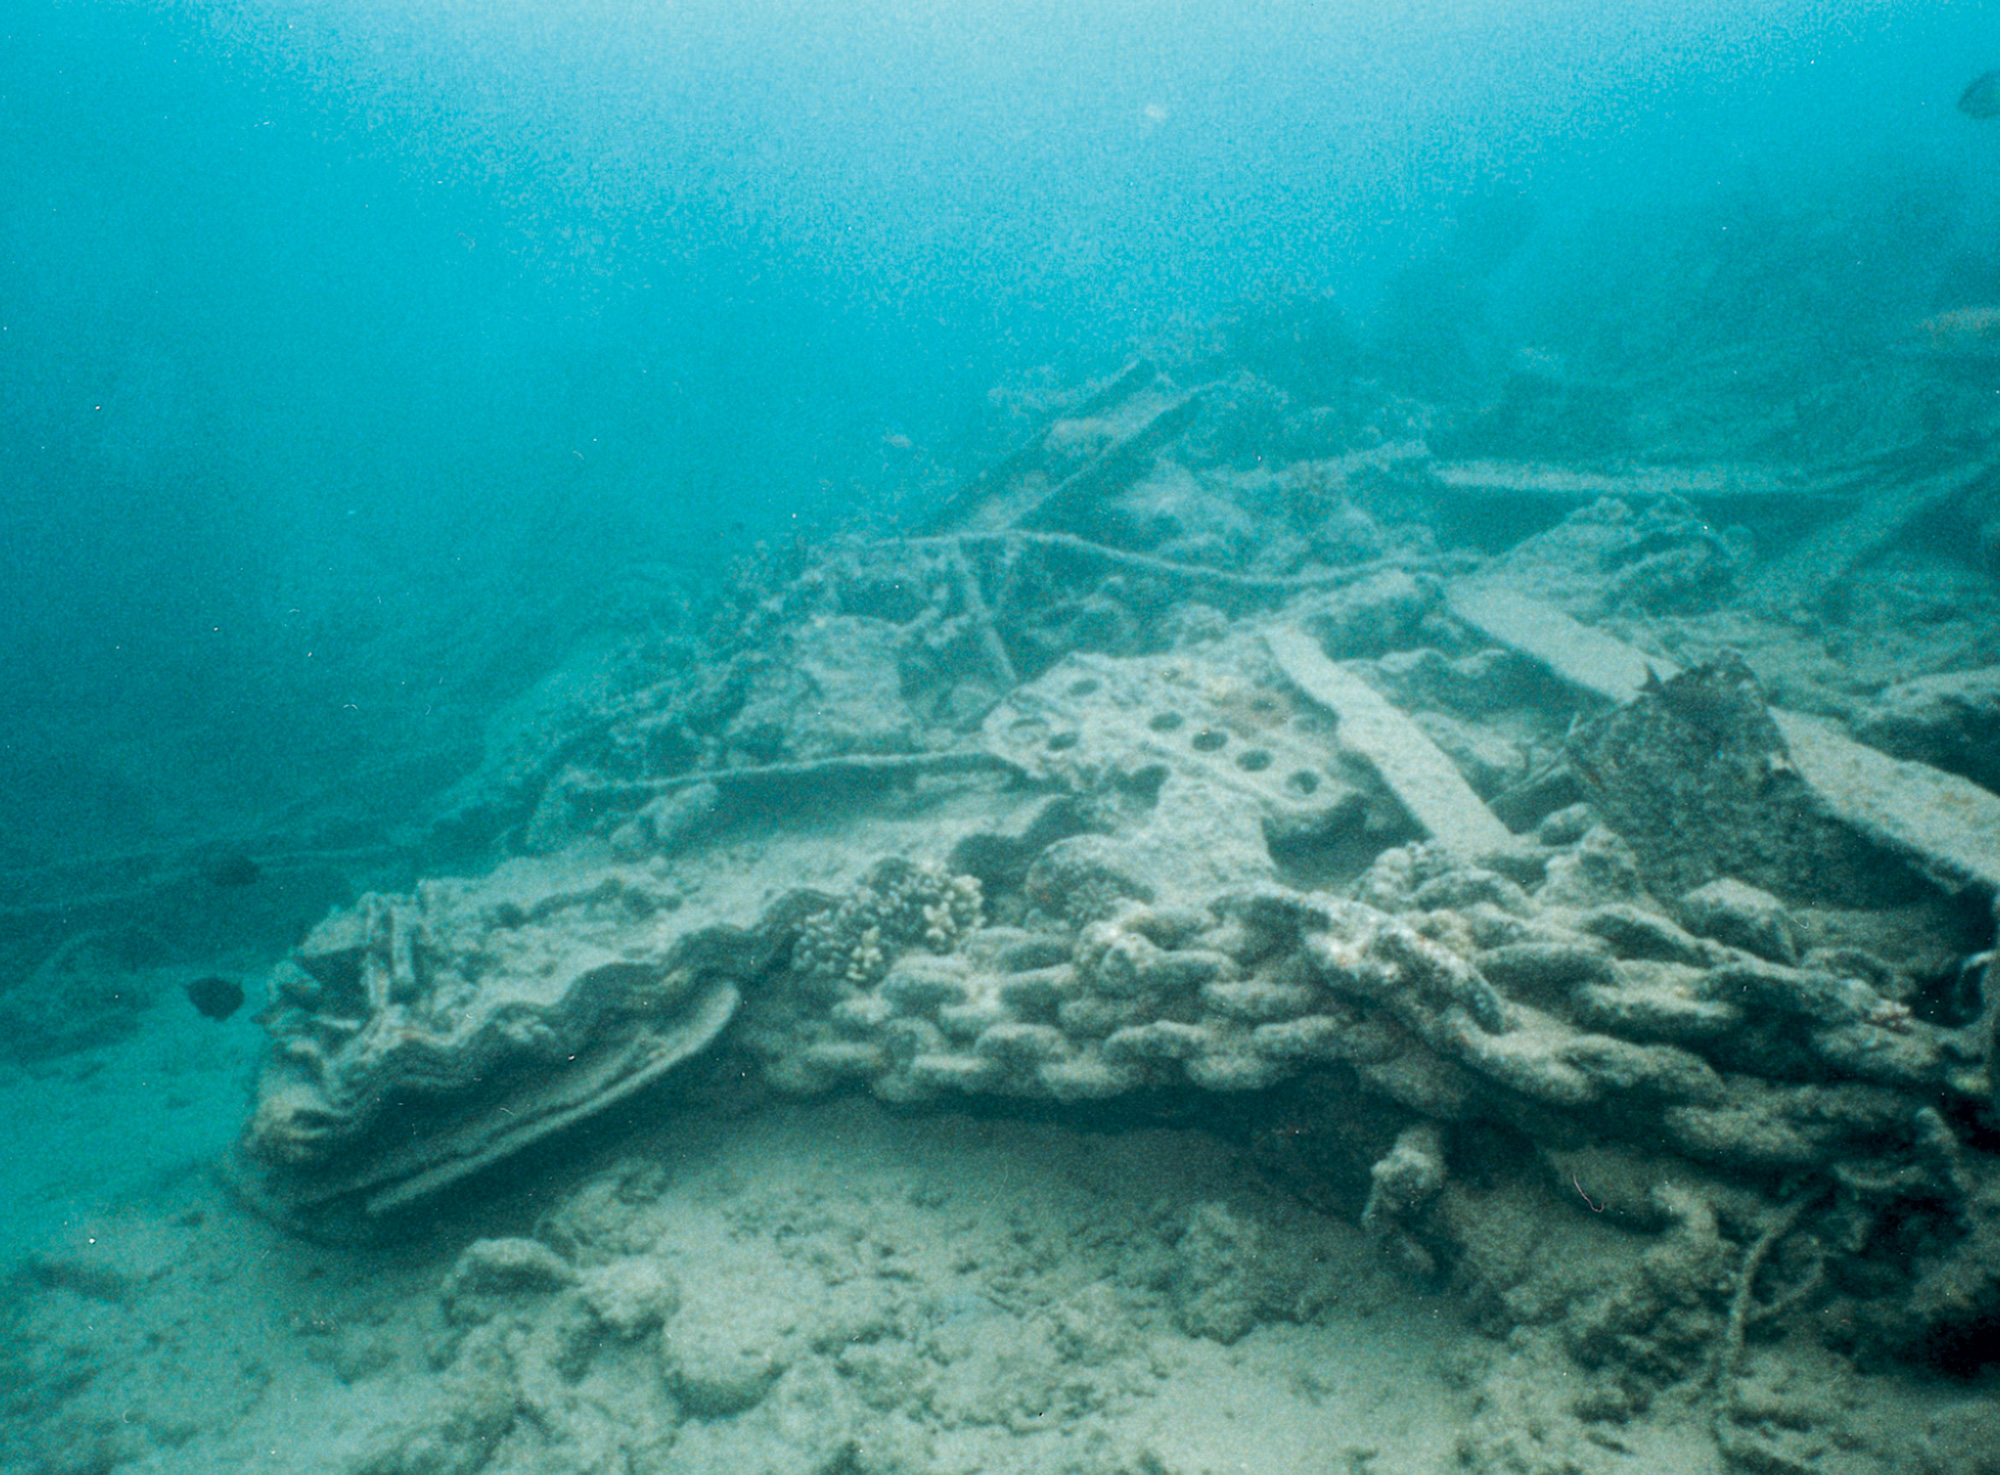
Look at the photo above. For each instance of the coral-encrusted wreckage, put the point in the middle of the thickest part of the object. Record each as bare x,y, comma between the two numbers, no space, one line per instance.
1525,891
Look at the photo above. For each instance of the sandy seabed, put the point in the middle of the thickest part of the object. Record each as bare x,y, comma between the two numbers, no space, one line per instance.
817,1288
831,1287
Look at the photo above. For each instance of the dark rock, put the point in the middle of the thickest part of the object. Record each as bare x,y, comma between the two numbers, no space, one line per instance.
1697,777
230,871
216,998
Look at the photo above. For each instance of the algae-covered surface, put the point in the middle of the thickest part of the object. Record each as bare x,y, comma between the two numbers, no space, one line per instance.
1072,998
839,745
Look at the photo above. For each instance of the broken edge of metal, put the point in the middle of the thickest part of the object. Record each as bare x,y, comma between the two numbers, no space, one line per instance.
957,509
1424,781
1573,651
1948,825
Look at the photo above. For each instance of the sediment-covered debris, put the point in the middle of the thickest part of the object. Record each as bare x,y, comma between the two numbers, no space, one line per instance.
1949,721
421,1038
1646,1013
1695,774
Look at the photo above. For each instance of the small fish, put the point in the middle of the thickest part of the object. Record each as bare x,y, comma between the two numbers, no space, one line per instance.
1981,98
216,998
230,871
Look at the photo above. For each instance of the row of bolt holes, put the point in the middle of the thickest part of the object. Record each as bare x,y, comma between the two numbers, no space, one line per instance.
1207,740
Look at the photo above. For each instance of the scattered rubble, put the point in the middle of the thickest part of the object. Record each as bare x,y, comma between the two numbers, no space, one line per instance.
1218,849
1656,1019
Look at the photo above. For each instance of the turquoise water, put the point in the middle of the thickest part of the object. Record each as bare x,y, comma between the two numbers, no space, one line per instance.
370,370
340,338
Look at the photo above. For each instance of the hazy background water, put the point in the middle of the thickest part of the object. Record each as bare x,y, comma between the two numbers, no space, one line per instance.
352,350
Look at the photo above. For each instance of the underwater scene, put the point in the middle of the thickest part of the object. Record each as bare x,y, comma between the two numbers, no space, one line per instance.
1021,737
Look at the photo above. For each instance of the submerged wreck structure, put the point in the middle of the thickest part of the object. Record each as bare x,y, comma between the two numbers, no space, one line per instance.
1583,878
1553,901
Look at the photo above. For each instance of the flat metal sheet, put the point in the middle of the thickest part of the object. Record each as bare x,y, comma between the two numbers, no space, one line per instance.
1425,782
1575,652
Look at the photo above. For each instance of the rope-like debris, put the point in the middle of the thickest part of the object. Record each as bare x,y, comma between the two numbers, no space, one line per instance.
887,765
172,869
1742,1305
976,607
1185,573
